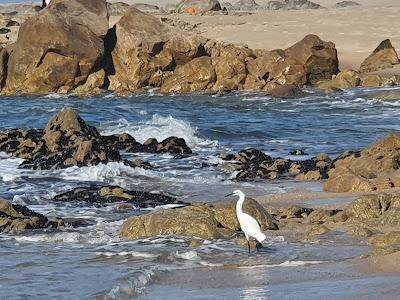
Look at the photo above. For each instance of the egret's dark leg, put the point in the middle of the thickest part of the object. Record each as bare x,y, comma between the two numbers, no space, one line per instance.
44,4
248,244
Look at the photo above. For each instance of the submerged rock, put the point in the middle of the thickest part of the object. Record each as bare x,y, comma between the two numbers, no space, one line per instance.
17,218
68,141
383,57
206,221
112,194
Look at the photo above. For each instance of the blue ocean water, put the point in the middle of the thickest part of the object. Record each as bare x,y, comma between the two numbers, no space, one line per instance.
92,262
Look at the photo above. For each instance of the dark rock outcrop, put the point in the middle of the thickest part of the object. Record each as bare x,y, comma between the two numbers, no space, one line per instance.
383,57
16,218
68,141
207,221
253,164
112,194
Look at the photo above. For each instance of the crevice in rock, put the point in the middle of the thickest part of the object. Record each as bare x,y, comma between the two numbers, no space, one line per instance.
109,44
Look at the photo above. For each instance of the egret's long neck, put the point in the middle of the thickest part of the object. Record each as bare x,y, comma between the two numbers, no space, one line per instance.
239,204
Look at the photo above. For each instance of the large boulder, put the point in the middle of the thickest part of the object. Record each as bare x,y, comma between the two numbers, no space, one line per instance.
319,58
374,168
147,50
292,5
207,221
197,6
383,57
196,75
17,218
90,13
59,47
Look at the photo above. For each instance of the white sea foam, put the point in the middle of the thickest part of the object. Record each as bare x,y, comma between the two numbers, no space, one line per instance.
158,127
288,263
128,253
107,171
188,255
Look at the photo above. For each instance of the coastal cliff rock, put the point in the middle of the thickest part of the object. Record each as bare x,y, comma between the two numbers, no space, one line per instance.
197,6
383,57
59,47
112,194
68,141
207,221
17,218
374,168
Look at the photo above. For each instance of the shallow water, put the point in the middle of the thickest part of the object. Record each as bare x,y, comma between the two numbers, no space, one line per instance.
91,261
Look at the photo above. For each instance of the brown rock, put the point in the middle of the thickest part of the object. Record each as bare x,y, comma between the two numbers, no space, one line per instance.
55,49
372,81
205,221
317,230
285,91
385,240
309,176
90,13
383,57
376,167
231,73
18,218
318,57
197,75
147,51
344,80
94,82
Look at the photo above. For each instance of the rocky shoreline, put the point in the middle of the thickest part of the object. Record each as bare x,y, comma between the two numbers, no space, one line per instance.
141,51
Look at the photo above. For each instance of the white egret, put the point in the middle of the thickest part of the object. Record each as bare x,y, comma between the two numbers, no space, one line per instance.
248,224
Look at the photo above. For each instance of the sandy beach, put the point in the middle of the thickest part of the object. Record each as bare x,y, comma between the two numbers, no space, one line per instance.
356,31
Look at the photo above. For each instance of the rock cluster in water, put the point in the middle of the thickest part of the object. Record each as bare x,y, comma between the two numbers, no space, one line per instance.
17,218
292,5
251,164
113,194
68,141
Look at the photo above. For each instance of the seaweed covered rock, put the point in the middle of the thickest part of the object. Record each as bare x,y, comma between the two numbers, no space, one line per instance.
68,141
17,218
373,168
252,164
207,221
112,194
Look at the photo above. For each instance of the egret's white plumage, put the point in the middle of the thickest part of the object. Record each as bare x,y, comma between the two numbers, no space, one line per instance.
248,224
